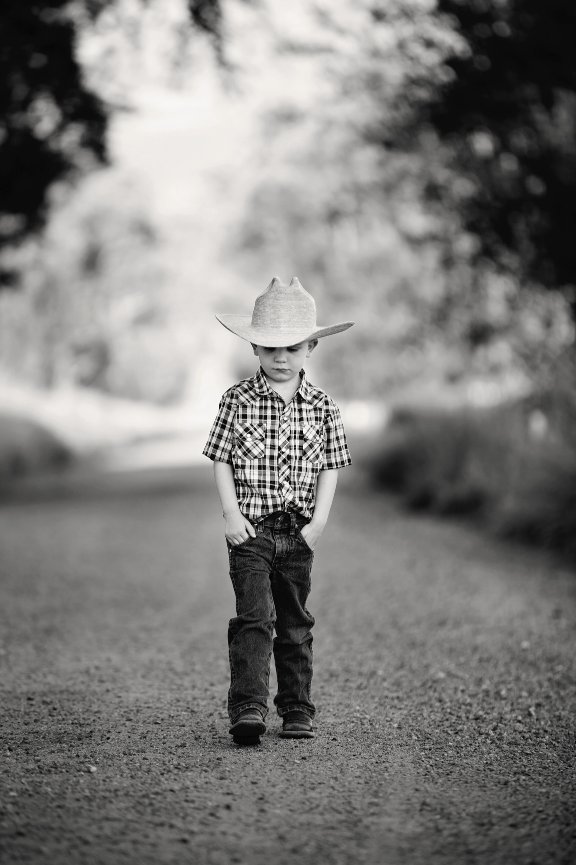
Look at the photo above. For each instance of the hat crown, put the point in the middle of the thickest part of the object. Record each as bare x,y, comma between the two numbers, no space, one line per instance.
284,307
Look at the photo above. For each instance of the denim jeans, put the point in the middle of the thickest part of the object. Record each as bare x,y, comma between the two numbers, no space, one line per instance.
271,578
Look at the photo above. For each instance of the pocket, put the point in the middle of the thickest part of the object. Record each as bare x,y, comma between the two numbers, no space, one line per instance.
250,441
302,540
241,544
300,537
312,443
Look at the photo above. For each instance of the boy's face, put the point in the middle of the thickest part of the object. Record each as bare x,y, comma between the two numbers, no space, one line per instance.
282,365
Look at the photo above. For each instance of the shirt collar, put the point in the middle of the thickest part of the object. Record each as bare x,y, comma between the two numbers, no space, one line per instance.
306,390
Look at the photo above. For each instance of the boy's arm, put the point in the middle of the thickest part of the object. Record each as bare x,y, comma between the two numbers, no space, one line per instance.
238,528
325,489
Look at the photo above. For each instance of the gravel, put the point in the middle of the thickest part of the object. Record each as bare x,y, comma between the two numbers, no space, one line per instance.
445,680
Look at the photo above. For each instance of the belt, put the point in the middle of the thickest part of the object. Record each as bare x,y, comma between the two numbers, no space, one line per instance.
283,520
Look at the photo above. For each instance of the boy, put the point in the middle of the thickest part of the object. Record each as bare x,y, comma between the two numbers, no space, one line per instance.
277,444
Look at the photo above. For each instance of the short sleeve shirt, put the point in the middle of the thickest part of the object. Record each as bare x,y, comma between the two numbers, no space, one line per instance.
276,449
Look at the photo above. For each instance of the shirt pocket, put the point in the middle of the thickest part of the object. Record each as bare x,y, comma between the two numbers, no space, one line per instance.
250,441
312,443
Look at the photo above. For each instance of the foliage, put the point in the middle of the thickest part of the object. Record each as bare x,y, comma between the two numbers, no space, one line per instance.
512,465
361,188
90,309
344,190
505,111
27,446
53,124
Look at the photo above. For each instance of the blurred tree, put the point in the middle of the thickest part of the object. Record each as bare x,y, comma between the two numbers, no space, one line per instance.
505,111
328,197
91,310
371,200
52,125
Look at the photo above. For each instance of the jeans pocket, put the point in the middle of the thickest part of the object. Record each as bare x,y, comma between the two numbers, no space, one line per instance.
302,540
241,544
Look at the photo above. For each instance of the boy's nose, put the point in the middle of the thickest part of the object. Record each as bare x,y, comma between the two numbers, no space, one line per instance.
280,354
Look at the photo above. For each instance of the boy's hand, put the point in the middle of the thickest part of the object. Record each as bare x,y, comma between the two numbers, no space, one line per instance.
311,533
238,528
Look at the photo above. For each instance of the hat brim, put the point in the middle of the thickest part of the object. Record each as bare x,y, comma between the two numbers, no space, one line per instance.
276,337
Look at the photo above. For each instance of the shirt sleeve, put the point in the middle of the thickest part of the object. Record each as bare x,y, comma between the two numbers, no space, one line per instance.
336,453
221,438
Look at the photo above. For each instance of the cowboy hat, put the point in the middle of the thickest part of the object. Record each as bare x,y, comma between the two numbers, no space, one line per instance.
283,315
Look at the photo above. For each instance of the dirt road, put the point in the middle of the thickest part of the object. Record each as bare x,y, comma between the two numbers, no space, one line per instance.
445,676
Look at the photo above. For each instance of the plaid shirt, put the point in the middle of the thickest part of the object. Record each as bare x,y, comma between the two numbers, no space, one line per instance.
277,450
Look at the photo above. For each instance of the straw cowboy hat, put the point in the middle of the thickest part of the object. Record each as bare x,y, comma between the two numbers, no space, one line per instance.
283,315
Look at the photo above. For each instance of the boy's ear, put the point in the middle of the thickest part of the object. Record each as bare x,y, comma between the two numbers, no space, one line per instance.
254,347
311,346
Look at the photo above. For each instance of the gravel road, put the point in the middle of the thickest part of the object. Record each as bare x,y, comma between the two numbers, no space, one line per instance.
445,676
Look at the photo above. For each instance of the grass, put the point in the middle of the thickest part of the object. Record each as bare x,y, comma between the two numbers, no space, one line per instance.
507,466
26,446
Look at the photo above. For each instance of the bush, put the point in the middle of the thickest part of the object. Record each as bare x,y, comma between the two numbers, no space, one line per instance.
496,464
26,446
541,507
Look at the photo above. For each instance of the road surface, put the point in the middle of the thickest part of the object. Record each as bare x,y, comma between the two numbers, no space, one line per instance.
445,678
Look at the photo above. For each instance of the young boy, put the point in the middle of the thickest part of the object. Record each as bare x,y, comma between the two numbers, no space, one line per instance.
277,444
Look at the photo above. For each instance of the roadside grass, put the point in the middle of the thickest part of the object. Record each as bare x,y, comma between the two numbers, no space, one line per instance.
512,467
27,446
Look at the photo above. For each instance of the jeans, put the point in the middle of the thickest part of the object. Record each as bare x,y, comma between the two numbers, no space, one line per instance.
271,578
